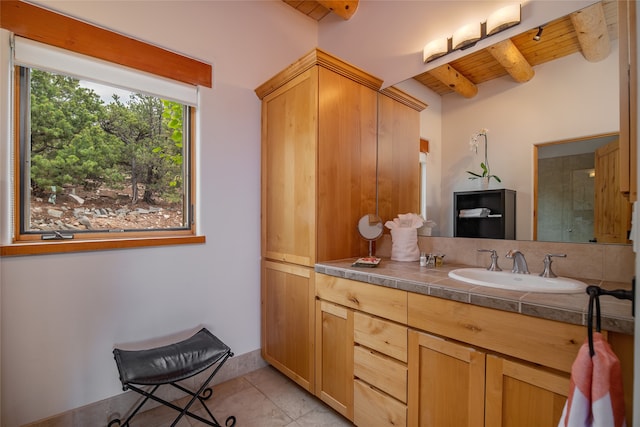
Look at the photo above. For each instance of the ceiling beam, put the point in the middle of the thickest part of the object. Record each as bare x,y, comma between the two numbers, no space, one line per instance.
343,8
508,55
455,80
591,27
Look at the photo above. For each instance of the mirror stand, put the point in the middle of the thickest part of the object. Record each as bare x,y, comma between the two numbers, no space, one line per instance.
370,228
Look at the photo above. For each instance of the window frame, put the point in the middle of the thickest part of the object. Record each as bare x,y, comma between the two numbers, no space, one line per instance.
27,20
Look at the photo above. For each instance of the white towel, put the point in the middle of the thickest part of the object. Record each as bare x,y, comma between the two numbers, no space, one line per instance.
404,237
474,213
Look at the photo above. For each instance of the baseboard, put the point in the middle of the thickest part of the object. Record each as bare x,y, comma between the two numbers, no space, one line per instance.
118,406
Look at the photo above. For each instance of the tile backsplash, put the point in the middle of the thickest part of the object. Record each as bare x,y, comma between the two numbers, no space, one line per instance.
606,262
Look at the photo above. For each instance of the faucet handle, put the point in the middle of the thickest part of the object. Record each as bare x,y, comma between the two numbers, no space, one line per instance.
494,259
547,272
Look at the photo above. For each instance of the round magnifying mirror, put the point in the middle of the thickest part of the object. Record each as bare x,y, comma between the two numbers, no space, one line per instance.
371,228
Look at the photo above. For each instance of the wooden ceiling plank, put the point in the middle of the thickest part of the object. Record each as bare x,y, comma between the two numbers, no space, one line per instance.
319,12
592,31
306,6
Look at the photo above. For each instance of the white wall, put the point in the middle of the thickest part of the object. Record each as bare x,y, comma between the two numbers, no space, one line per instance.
566,98
61,315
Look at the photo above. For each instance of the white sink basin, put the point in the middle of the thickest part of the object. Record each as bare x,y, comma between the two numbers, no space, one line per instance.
518,282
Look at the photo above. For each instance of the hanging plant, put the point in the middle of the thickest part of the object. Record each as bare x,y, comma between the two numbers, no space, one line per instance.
473,144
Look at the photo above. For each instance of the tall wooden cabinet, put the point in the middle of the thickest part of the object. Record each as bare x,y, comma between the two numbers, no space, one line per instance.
320,132
318,179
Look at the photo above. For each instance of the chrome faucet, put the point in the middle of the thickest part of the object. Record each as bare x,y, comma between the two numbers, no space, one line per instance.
547,265
494,260
519,263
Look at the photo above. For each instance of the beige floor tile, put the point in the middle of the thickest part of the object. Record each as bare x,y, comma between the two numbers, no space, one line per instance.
262,398
287,395
322,417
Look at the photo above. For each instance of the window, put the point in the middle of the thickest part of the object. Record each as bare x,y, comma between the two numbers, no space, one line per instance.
103,153
95,158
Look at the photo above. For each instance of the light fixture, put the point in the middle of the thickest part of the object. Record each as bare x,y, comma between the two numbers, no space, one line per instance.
468,35
435,49
503,18
538,35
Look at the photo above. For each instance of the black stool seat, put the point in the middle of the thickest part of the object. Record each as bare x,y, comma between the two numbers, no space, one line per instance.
173,362
170,364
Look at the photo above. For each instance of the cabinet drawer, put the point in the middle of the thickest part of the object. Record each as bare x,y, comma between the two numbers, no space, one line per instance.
382,336
378,300
545,342
372,408
381,372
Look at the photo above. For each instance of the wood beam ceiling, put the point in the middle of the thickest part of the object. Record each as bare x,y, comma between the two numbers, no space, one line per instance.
588,31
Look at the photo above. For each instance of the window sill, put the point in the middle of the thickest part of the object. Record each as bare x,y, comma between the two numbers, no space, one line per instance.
41,248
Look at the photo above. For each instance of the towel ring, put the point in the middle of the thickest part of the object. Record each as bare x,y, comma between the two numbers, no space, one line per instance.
594,300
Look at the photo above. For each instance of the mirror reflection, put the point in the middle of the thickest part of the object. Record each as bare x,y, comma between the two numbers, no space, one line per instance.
570,97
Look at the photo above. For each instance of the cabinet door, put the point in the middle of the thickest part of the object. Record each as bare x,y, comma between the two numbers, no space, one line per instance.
519,395
346,164
287,320
612,210
334,356
446,383
398,158
289,144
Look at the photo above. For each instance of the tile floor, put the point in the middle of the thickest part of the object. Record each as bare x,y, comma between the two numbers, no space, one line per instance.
262,398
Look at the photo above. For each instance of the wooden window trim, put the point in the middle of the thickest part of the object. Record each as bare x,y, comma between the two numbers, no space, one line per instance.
54,29
41,248
35,23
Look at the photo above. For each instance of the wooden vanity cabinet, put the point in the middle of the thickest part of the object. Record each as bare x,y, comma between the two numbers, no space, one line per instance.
368,355
415,360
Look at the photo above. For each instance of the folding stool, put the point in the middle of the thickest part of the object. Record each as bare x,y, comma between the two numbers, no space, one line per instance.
169,364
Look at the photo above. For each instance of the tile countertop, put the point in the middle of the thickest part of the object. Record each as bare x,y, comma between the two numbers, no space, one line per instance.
409,276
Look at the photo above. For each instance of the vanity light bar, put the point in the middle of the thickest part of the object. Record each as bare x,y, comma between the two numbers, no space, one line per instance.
468,35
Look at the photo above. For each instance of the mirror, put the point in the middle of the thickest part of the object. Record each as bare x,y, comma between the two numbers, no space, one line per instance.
574,201
568,98
370,228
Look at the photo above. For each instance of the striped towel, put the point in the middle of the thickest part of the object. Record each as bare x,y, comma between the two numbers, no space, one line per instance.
595,396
